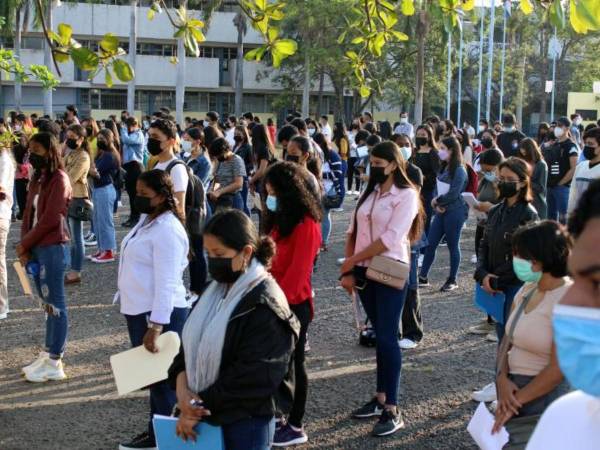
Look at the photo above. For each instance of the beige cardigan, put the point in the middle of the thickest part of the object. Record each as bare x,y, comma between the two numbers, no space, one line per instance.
77,166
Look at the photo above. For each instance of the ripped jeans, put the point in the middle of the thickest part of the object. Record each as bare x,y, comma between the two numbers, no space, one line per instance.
49,281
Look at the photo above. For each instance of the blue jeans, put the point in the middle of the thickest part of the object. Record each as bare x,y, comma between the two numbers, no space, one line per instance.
77,249
104,200
558,199
427,196
383,305
244,194
162,397
509,295
326,225
449,224
253,433
51,288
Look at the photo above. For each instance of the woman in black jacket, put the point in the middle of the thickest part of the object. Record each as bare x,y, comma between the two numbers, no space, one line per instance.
243,149
238,341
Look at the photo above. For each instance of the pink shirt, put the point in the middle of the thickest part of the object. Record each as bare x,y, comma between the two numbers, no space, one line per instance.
393,215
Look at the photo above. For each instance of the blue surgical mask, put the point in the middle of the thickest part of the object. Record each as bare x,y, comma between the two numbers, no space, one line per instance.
406,152
271,203
524,270
577,338
490,176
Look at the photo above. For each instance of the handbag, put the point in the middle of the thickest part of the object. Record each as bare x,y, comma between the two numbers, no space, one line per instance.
332,199
81,209
383,269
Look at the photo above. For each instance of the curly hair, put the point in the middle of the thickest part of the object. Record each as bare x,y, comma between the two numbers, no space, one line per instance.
160,182
295,198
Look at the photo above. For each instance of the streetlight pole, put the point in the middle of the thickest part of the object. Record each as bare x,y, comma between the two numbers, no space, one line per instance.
481,30
505,13
460,57
449,76
554,54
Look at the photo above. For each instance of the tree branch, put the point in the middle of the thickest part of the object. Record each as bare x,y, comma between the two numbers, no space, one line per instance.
48,40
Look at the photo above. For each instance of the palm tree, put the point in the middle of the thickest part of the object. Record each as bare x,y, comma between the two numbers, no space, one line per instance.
241,25
132,54
13,11
180,77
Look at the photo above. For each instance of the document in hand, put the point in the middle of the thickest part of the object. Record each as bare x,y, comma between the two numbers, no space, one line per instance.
442,188
23,278
209,437
490,304
137,368
470,199
480,428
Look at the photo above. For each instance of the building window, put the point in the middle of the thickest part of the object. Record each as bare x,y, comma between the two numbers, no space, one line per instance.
32,43
196,101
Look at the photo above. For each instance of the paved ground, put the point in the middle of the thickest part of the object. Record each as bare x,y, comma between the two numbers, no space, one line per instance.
85,412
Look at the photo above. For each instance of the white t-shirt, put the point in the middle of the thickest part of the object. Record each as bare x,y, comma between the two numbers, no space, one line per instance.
7,182
178,174
229,136
326,131
570,422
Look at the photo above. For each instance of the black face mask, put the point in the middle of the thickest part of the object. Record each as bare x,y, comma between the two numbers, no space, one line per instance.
292,158
507,189
220,270
89,131
420,141
37,162
102,145
154,146
143,205
72,144
378,175
589,153
238,138
487,142
550,136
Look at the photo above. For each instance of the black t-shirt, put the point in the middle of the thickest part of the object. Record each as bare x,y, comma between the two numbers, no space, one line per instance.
509,142
429,163
558,157
414,174
261,153
245,152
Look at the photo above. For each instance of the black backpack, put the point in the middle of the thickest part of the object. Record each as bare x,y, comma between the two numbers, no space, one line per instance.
195,200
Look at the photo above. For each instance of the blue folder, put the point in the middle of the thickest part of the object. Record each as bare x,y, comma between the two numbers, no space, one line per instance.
492,304
209,437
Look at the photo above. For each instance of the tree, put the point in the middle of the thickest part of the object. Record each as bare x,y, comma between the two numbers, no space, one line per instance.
242,27
132,53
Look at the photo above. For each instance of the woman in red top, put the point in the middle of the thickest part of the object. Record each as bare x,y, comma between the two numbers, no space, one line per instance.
292,218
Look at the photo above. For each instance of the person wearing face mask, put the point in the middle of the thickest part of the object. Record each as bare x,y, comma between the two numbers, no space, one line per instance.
263,153
243,149
562,161
495,272
91,129
352,158
325,127
531,153
236,355
303,130
299,152
284,136
542,133
229,177
405,127
450,212
528,377
198,160
426,158
292,219
105,167
230,125
8,168
77,166
386,220
576,129
573,421
212,119
132,149
510,137
588,170
151,292
483,126
362,152
44,248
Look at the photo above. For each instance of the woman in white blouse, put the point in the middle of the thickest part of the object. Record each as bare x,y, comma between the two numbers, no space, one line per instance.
154,256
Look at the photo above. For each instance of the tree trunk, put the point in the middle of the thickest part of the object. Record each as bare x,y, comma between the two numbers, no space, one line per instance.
240,23
421,31
48,60
180,77
521,93
306,89
320,98
132,55
18,90
544,74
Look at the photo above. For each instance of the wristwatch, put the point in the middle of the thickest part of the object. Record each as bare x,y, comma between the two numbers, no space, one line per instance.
155,327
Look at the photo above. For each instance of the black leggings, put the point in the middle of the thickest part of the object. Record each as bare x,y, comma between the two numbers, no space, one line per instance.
353,174
302,312
133,170
21,193
478,236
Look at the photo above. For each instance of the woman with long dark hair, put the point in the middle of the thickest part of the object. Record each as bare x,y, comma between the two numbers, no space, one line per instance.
530,152
77,166
229,176
450,212
243,149
291,219
44,238
151,292
264,154
341,144
198,161
386,220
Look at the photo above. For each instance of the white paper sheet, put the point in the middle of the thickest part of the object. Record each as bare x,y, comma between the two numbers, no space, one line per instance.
470,199
480,428
136,368
442,188
23,278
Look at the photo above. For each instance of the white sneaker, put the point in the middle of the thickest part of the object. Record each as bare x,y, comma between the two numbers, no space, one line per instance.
421,258
491,336
407,344
340,261
494,406
487,394
119,204
338,209
41,357
474,259
49,369
3,315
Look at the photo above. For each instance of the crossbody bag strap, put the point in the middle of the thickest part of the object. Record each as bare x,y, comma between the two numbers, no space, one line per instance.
371,216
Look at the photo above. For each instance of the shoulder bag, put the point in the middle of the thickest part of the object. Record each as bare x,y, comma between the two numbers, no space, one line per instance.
383,269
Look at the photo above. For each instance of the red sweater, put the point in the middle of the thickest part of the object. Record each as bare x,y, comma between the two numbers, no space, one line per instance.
293,262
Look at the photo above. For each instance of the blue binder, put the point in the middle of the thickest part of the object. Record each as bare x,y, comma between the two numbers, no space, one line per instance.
209,436
490,304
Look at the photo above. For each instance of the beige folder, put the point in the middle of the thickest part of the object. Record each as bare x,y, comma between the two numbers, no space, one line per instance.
136,368
23,278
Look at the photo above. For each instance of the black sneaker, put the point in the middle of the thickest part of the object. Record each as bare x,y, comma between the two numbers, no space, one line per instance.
371,409
388,423
423,282
141,441
449,285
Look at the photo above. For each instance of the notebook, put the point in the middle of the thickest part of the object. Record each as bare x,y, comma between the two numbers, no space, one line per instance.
137,368
490,304
209,437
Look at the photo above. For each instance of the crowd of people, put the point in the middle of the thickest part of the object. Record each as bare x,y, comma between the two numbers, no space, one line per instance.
247,209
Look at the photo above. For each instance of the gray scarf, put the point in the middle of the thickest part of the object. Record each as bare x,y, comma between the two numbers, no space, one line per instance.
204,330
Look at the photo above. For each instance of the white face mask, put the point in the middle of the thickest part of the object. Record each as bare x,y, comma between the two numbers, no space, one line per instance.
403,119
186,146
406,152
577,121
311,131
17,127
559,132
205,123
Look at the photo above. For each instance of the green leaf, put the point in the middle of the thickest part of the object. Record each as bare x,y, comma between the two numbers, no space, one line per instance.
197,34
60,57
110,43
526,7
262,25
286,47
358,40
84,58
276,14
174,60
378,43
108,79
255,54
352,55
261,4
123,70
272,34
587,12
196,23
65,32
364,91
407,7
557,14
399,35
150,14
